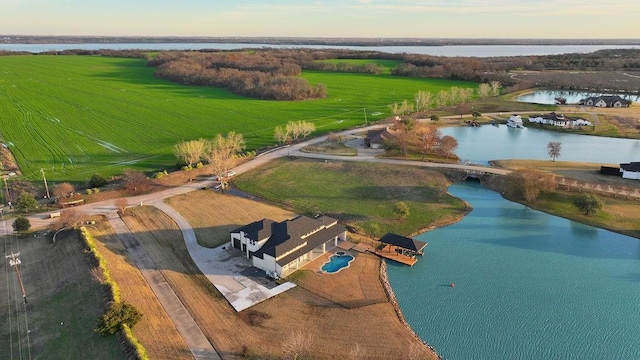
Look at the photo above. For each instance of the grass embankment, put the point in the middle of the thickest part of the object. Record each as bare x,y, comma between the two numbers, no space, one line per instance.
78,115
618,214
155,330
64,302
344,310
361,195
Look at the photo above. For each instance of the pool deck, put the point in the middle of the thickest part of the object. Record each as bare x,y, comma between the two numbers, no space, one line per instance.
388,252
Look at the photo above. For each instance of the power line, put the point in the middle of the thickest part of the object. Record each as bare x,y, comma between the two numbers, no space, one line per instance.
10,315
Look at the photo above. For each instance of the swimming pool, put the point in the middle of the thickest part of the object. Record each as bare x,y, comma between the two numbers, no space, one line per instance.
336,263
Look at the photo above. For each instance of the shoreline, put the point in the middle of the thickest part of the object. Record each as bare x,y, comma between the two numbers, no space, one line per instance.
391,296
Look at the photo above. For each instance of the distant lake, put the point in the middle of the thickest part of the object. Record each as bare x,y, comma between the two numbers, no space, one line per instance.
449,50
481,144
573,97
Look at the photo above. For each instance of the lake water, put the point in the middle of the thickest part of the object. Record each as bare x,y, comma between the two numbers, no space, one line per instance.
450,50
527,286
573,97
481,144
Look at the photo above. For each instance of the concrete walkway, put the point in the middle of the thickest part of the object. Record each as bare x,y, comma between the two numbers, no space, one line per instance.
224,267
192,335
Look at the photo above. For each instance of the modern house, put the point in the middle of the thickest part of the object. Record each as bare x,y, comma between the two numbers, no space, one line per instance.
280,248
515,121
630,170
613,101
558,120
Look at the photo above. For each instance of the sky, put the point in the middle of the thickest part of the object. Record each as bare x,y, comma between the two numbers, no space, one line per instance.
535,19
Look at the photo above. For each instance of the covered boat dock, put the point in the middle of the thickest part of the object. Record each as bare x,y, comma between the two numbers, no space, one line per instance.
400,248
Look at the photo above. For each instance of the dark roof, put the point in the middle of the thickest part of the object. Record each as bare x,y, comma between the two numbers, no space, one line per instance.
632,166
403,242
608,99
257,230
375,136
289,234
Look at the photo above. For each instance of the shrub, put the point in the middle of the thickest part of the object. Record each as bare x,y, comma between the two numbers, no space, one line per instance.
89,191
588,203
26,202
96,190
186,168
21,223
199,165
158,175
401,209
118,315
97,180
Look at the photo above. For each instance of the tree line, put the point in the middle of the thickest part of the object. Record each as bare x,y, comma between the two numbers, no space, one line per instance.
260,75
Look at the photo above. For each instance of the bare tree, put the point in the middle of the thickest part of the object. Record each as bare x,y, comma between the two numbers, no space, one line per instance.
428,137
189,152
333,139
442,98
357,352
530,183
448,146
63,190
495,87
423,100
222,154
294,129
306,128
135,181
466,94
296,345
484,90
454,95
281,134
553,149
70,218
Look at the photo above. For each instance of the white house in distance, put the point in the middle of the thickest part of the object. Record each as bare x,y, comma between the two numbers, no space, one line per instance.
558,120
280,248
515,121
630,170
614,101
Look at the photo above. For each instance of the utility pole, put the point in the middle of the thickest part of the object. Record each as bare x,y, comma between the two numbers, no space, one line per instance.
46,187
15,262
365,116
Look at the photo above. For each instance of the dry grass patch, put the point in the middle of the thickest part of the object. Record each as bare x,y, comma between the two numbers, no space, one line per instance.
213,215
267,328
155,331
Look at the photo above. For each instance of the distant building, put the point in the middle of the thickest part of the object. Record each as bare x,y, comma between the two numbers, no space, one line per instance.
610,101
280,248
630,170
559,120
515,121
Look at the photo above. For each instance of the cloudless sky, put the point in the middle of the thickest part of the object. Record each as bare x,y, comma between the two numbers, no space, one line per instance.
325,18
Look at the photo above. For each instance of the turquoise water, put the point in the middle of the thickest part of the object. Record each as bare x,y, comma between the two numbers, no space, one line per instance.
527,286
336,263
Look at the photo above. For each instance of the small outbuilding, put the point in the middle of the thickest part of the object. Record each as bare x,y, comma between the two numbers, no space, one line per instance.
401,248
630,170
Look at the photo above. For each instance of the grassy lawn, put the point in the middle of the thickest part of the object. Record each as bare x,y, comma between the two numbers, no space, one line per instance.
79,115
64,303
361,195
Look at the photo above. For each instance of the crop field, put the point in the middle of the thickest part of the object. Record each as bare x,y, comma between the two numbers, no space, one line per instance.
78,115
387,64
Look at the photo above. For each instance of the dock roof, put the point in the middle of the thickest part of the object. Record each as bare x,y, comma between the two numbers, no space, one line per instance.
403,242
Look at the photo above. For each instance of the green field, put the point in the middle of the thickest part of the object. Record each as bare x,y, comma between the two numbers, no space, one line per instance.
359,194
387,64
79,115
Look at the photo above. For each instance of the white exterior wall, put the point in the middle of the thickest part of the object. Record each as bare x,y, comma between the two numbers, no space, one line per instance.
631,175
266,264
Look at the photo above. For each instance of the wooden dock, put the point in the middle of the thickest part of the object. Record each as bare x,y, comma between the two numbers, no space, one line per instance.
389,252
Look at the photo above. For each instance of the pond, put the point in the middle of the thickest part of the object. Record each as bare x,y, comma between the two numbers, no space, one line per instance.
573,97
528,285
484,143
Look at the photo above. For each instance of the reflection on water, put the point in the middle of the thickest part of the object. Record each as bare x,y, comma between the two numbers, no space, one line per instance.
573,97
